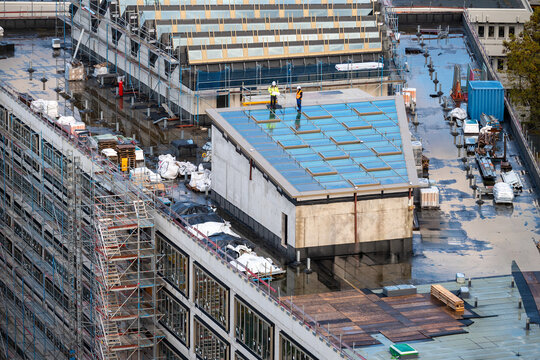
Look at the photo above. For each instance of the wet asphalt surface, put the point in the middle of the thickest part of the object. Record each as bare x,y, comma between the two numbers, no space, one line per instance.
478,240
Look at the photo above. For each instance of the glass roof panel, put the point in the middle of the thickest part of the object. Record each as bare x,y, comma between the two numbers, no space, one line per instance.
330,146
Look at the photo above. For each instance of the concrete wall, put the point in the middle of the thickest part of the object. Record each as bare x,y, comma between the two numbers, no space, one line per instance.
258,197
333,224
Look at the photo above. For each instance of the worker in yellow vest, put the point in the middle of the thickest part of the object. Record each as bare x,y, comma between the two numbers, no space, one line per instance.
299,94
274,92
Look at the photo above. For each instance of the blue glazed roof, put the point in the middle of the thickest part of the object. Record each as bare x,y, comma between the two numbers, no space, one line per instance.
327,147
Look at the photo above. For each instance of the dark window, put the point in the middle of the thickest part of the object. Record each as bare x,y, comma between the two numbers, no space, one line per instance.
491,31
175,315
208,345
222,100
290,350
284,229
500,64
511,30
173,264
501,31
481,31
253,331
211,296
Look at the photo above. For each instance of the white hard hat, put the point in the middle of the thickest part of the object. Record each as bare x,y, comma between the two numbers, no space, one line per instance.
298,87
273,83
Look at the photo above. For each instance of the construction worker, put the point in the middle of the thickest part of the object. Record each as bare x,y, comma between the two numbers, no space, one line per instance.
274,92
299,94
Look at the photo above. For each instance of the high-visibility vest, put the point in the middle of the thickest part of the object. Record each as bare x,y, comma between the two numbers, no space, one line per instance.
299,94
273,90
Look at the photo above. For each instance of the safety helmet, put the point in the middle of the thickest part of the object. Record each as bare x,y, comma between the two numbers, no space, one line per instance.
273,83
298,87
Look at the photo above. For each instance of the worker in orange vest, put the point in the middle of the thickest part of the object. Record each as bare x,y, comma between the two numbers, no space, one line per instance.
299,95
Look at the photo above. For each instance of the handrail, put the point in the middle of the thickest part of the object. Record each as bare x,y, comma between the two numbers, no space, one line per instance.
119,180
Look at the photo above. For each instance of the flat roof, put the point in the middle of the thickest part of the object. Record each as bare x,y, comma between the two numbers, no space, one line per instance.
353,145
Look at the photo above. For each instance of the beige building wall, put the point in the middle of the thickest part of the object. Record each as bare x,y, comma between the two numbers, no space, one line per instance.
333,224
494,26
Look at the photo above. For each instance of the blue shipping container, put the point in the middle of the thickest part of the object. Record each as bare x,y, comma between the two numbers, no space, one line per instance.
485,97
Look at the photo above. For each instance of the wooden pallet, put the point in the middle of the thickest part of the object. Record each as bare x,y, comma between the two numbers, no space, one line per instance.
452,301
106,144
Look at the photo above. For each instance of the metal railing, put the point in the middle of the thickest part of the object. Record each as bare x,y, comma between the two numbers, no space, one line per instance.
108,172
32,9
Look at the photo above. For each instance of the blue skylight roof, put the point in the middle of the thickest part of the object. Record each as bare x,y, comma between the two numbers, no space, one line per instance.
335,146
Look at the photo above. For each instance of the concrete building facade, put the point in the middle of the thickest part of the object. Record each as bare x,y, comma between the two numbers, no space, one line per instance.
372,215
496,25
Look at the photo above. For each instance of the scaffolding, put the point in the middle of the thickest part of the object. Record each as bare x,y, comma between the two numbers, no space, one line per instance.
78,273
126,277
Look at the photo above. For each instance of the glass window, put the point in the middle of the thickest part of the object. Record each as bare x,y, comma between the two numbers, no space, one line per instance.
208,345
290,351
511,30
500,64
172,263
211,296
481,31
175,315
167,352
501,31
491,31
253,331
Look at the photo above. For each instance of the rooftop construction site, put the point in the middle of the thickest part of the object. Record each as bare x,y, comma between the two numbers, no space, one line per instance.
265,180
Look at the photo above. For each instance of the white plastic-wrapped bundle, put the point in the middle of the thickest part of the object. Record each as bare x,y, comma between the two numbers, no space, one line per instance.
66,120
458,113
503,193
200,180
144,174
167,167
47,107
185,167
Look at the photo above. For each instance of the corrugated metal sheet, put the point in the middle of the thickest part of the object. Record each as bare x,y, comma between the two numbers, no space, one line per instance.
485,97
